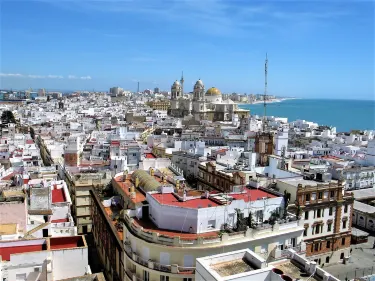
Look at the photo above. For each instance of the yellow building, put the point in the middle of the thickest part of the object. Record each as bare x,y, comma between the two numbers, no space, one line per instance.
160,105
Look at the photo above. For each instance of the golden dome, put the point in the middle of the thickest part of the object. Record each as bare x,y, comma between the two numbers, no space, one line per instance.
213,92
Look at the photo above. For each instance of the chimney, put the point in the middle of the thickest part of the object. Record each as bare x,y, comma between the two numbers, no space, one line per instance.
207,194
132,192
312,267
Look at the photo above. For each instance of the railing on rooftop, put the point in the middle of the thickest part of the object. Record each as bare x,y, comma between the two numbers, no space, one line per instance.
176,240
174,268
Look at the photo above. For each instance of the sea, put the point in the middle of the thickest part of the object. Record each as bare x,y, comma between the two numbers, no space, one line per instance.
345,115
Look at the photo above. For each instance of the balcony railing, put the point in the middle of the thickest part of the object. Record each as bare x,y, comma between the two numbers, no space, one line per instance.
174,268
177,241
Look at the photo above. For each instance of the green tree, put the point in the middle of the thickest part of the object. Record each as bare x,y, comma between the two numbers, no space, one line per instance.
32,133
8,117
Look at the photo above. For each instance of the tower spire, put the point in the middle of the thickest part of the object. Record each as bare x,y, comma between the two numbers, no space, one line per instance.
182,83
265,93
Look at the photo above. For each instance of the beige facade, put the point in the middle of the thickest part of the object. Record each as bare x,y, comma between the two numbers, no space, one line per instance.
79,186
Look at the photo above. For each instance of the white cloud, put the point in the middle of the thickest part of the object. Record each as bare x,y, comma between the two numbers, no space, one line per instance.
35,76
11,75
85,77
49,76
55,76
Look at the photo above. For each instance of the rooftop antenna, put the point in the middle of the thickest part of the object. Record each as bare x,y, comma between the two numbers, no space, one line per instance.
265,93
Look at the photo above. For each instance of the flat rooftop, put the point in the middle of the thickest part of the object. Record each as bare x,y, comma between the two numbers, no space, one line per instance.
232,267
248,195
291,269
8,229
58,195
8,248
68,242
362,194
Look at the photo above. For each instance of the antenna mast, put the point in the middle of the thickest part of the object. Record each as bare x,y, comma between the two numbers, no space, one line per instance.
265,93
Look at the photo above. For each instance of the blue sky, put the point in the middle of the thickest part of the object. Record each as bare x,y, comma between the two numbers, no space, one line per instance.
317,49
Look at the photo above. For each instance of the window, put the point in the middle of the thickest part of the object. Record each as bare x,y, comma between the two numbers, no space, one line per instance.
345,208
329,227
327,259
328,244
317,229
320,195
344,224
146,275
330,211
211,224
307,197
305,232
306,215
343,241
188,279
316,247
319,213
332,193
164,278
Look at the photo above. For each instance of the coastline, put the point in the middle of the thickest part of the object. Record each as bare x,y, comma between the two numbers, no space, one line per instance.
268,101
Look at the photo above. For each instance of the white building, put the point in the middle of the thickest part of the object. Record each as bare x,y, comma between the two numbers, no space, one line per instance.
245,265
44,259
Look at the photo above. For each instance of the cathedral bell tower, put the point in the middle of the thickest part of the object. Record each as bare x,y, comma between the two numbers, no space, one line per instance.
182,83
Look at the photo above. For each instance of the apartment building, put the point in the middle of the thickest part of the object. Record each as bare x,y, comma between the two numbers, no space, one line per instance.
163,229
246,265
80,180
355,177
160,104
49,259
326,211
213,176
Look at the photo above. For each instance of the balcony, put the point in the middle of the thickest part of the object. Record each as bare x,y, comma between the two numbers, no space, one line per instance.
174,268
178,240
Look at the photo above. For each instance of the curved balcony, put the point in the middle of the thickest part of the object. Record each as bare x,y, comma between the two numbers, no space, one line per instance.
174,239
173,268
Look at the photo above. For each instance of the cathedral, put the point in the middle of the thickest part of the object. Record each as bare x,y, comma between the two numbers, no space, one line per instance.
204,105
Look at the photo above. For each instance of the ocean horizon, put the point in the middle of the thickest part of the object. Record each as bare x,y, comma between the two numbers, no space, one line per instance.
345,115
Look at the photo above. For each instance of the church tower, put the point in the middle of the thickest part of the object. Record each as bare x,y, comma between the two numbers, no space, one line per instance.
182,83
198,91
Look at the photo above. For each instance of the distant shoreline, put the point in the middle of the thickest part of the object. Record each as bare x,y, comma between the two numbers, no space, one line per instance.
268,101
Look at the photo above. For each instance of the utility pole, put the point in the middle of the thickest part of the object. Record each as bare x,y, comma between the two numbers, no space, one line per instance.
265,94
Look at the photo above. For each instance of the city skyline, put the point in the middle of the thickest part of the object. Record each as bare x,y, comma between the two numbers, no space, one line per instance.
315,49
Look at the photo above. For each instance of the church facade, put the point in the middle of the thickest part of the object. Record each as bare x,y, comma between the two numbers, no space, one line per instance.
205,105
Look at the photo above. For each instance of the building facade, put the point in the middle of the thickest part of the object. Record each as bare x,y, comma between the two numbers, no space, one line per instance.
205,105
327,214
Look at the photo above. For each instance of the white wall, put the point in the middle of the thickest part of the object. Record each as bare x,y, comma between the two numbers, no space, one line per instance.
181,219
69,263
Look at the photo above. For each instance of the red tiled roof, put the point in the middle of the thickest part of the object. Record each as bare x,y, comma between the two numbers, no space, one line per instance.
60,220
8,177
171,200
150,155
57,243
5,252
124,186
58,195
252,195
29,142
